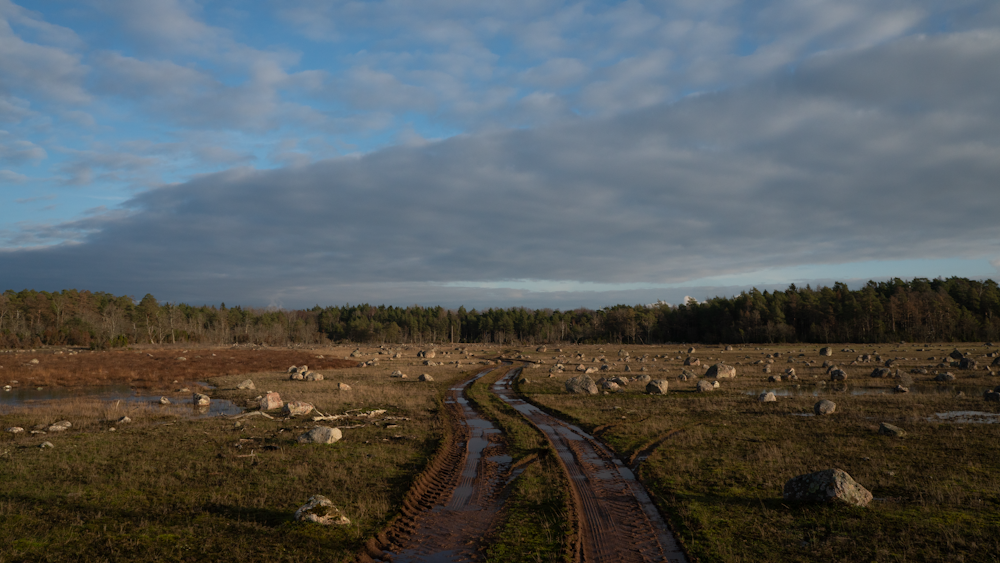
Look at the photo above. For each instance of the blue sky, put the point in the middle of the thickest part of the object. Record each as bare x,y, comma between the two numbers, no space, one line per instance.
536,153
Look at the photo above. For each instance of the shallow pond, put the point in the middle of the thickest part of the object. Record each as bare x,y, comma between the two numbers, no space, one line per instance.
181,403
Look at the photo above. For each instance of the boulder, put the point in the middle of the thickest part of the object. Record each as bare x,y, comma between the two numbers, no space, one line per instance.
900,389
581,384
689,361
641,379
691,350
886,429
944,376
164,401
590,370
838,375
246,384
356,354
46,445
321,435
828,485
721,371
293,408
657,387
124,420
609,385
201,400
881,372
967,363
425,377
271,401
728,348
581,367
824,407
956,355
767,397
826,351
296,376
991,397
705,386
541,349
321,510
343,387
15,430
313,376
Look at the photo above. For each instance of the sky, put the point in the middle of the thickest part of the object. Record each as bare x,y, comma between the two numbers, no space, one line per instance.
494,154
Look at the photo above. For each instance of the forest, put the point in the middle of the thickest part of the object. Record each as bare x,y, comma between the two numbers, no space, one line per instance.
939,310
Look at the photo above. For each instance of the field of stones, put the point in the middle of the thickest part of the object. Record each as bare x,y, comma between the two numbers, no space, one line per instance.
786,452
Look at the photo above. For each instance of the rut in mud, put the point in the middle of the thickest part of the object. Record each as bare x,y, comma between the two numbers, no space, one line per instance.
457,501
618,521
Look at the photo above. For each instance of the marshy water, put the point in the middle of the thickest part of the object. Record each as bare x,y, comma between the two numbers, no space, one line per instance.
181,402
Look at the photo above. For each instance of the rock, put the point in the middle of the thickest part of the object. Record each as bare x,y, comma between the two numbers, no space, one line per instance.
900,389
657,387
271,401
967,363
715,385
728,348
767,397
838,375
581,367
541,349
721,371
523,381
15,430
293,369
297,376
689,361
705,386
641,379
45,445
164,401
60,426
201,400
396,373
124,420
313,376
886,429
826,351
621,382
293,408
343,387
774,379
321,435
691,350
246,384
944,376
320,510
956,355
609,385
590,370
581,384
881,372
827,486
991,397
356,354
424,377
824,407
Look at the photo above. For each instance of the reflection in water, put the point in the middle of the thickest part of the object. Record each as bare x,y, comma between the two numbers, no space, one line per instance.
182,404
840,389
972,417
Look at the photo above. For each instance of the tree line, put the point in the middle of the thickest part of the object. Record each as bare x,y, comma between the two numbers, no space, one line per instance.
953,309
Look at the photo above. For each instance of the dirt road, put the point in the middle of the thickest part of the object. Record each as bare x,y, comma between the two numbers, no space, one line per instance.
618,521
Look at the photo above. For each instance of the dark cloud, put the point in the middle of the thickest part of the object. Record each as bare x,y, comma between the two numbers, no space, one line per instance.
827,165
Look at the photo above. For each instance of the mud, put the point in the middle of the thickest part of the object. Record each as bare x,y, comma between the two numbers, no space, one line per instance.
456,501
618,521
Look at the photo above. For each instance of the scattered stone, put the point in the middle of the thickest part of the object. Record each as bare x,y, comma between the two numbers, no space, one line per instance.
886,429
838,375
293,408
826,351
246,384
321,510
581,384
956,355
609,385
767,397
313,376
181,359
590,370
691,350
945,376
15,430
824,407
689,361
297,376
164,401
356,353
641,379
728,348
425,377
541,349
826,486
581,367
900,389
967,363
991,397
343,387
201,400
124,420
881,372
657,387
271,401
45,445
60,426
705,386
721,371
321,435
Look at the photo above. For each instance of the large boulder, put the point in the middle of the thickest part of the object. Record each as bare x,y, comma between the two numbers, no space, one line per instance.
824,407
321,510
721,371
826,351
321,435
967,363
705,386
293,408
657,387
828,485
271,401
581,384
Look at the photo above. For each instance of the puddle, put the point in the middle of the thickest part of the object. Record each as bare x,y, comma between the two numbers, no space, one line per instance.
858,391
182,404
969,417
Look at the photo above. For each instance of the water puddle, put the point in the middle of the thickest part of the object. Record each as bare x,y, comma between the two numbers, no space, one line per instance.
966,417
859,391
182,404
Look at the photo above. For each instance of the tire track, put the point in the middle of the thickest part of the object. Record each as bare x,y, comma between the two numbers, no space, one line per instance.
618,521
456,501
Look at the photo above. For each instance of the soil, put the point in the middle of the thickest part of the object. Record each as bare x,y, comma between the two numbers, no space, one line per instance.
154,368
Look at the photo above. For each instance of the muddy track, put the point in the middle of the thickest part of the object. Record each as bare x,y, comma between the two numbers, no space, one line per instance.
618,521
456,501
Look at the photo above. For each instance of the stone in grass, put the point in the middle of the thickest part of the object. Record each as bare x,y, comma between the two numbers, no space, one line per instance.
15,430
886,429
767,397
945,376
60,426
164,401
721,371
523,381
45,445
321,435
826,351
313,376
657,387
343,387
581,384
838,375
293,408
201,400
246,384
705,386
991,397
828,485
425,377
824,407
321,510
271,401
